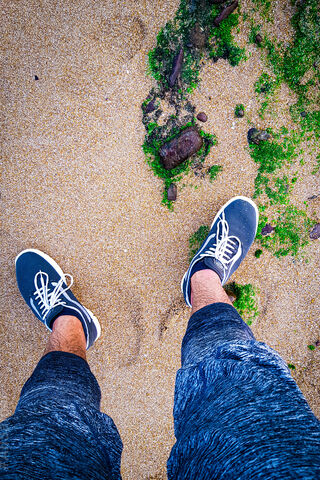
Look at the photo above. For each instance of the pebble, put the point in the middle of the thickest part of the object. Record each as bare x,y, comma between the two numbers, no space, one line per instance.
225,13
240,113
315,232
36,77
267,229
256,136
176,67
180,148
202,117
172,192
150,107
258,38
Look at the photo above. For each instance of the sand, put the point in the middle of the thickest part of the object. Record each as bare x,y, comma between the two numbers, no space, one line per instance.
75,185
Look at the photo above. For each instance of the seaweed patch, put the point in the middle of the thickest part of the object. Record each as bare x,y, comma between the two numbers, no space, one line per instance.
199,30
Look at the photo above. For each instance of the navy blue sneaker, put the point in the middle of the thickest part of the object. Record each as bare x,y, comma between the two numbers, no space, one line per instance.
46,290
231,235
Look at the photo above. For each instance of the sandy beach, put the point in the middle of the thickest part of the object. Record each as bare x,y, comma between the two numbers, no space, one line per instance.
76,185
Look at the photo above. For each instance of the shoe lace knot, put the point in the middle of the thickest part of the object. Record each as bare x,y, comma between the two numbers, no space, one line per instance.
50,297
226,249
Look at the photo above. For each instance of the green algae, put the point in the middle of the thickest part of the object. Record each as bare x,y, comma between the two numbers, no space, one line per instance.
213,172
246,301
222,39
239,108
272,156
297,64
192,29
266,86
291,227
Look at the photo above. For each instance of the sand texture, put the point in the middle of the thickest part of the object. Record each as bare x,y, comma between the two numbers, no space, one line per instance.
75,185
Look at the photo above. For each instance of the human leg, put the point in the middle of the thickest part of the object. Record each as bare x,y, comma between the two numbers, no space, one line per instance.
67,336
238,413
57,430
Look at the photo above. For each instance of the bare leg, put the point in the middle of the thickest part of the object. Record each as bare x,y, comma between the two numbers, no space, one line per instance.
67,336
206,289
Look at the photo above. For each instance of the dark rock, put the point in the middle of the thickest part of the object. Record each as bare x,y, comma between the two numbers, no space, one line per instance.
172,192
36,77
202,117
303,114
225,13
267,229
313,197
317,343
180,148
256,136
315,232
258,38
198,36
151,106
176,67
239,113
189,107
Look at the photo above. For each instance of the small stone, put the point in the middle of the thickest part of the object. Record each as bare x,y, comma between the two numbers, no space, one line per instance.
303,114
202,117
172,192
267,229
239,113
315,232
180,148
176,67
256,136
150,107
317,343
225,13
258,38
36,77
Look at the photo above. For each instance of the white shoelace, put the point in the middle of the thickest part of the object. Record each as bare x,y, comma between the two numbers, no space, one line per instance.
49,299
224,248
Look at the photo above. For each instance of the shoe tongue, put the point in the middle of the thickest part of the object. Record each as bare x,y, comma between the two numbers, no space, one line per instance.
214,265
52,315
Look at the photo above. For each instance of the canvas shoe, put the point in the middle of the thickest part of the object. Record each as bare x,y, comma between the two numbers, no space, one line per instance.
46,290
231,235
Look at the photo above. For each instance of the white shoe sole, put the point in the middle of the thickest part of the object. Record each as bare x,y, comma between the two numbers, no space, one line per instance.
54,264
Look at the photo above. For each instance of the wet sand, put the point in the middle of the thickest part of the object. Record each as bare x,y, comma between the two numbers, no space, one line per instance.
75,185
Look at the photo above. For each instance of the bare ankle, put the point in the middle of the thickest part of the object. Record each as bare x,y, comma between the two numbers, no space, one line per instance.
67,336
206,289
